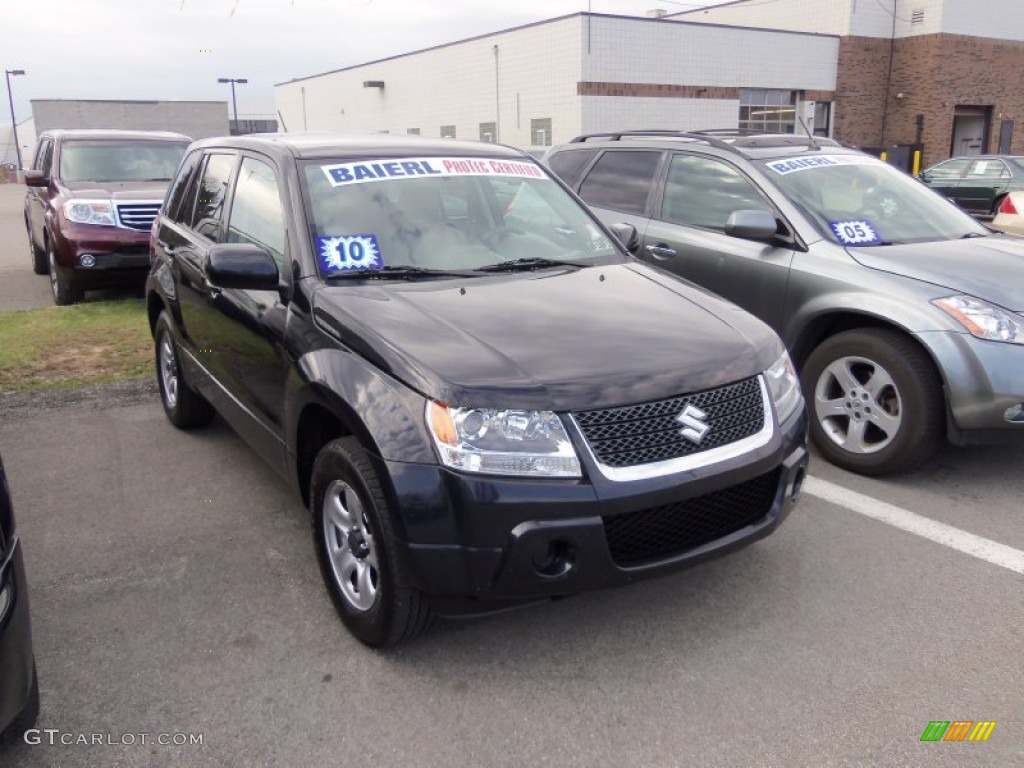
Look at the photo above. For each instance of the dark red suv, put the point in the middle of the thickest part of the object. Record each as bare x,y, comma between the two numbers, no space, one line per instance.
92,198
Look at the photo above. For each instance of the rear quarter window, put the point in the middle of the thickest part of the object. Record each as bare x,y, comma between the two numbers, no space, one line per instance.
569,164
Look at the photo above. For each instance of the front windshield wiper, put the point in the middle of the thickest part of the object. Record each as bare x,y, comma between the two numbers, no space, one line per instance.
522,265
397,272
970,235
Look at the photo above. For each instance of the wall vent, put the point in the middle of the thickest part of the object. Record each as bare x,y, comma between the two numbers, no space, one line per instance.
917,16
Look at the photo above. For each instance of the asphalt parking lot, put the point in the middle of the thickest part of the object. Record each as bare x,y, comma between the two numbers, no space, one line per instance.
174,591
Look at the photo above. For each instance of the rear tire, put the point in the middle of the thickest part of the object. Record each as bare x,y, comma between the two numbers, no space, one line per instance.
185,408
995,205
27,718
40,265
875,401
360,554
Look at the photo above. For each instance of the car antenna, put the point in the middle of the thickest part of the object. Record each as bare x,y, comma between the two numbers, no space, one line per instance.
814,144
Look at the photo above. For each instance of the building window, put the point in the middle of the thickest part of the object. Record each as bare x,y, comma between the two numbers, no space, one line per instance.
540,132
763,109
447,131
413,131
489,132
822,118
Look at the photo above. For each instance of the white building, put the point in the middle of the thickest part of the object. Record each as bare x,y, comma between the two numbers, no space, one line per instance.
546,82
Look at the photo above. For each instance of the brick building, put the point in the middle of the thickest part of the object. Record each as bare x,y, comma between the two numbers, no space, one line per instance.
945,73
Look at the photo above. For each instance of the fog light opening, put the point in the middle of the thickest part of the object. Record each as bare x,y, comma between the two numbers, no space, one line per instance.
798,484
557,561
87,260
1015,413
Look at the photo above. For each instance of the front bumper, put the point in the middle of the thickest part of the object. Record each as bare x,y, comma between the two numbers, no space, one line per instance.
15,636
115,251
477,544
983,382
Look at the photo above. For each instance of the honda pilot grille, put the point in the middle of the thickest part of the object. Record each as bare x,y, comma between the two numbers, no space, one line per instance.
649,432
137,215
671,529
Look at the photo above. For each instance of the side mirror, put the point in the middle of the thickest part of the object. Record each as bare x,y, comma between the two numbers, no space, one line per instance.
36,179
751,225
241,265
626,234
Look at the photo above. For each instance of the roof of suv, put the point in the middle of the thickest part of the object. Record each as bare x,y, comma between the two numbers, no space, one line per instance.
109,133
749,144
321,145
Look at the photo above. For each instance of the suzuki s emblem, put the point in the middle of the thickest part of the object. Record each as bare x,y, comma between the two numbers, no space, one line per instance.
694,426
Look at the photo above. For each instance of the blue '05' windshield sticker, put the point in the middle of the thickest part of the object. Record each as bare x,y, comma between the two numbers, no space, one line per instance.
348,252
859,232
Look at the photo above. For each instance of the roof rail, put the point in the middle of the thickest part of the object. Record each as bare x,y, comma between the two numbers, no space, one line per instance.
658,132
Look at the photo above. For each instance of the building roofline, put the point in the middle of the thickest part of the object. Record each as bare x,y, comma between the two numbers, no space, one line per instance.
581,14
135,101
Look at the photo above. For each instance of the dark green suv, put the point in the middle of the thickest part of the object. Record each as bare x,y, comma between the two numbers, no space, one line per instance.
902,312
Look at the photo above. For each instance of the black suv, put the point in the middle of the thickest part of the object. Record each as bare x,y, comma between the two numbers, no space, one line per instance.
93,195
904,315
480,396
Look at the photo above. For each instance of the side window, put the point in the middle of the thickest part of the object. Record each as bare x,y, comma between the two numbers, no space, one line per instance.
568,165
44,157
702,192
953,169
621,180
211,190
179,187
256,213
987,169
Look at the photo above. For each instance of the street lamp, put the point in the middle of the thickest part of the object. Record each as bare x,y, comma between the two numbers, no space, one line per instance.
10,100
234,103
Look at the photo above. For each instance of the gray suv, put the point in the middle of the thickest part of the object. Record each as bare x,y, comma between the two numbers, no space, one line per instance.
903,313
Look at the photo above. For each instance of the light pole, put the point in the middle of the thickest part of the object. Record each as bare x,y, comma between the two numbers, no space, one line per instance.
234,103
10,100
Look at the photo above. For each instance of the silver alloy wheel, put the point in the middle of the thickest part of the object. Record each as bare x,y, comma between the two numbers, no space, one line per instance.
858,405
53,269
350,546
168,364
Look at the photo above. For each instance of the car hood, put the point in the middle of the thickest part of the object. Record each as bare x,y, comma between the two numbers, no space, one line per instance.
989,268
116,190
552,339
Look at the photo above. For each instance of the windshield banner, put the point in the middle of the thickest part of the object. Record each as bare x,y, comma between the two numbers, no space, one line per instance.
344,174
782,167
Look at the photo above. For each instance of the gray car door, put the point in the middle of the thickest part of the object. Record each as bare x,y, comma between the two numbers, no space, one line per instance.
686,235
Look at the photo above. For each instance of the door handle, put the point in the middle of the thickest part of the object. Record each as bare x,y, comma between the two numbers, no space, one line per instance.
661,252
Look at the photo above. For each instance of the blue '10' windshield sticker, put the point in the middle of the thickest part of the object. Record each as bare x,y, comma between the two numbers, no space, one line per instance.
859,232
349,252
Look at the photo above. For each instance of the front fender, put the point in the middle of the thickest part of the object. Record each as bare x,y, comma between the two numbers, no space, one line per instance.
381,411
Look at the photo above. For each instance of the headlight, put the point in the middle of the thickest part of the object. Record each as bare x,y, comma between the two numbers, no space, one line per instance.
502,442
984,320
784,387
90,212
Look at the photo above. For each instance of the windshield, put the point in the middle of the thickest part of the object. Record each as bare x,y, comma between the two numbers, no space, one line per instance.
119,161
446,214
857,200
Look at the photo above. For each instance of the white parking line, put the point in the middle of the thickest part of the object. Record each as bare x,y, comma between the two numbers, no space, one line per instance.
962,541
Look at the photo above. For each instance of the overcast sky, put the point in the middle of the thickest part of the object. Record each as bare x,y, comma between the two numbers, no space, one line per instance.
176,49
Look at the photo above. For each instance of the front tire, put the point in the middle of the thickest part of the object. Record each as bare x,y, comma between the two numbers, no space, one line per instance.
358,549
27,718
875,401
185,408
65,290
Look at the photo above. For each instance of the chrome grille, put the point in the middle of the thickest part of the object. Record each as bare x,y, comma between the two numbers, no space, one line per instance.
650,432
137,215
